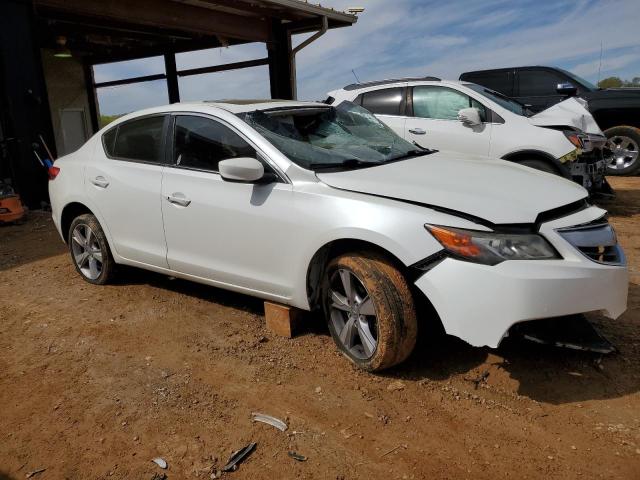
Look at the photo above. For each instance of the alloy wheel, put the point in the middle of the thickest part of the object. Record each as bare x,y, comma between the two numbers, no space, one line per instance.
623,152
352,314
87,252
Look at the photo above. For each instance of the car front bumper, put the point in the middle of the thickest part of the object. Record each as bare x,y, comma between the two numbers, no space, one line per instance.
480,303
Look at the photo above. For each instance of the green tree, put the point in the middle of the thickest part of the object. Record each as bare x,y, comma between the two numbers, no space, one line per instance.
610,82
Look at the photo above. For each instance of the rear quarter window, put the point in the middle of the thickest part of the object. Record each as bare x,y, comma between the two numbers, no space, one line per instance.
386,101
140,140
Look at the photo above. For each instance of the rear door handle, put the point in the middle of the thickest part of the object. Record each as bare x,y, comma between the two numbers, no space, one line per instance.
178,199
100,181
417,131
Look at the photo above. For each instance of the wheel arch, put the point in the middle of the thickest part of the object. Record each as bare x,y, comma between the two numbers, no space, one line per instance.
330,250
71,211
521,155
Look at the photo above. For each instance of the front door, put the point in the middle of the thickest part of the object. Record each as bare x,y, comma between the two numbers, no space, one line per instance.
228,232
435,123
123,180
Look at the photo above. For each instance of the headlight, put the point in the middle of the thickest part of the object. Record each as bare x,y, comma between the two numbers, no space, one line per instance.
574,138
491,248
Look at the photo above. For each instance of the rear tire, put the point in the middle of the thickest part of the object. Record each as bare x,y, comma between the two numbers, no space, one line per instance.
89,249
622,151
373,321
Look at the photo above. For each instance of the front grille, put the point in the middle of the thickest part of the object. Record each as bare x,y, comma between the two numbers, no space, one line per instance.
596,241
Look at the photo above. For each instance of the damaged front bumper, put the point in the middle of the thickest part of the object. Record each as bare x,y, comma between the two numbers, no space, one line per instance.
480,303
590,167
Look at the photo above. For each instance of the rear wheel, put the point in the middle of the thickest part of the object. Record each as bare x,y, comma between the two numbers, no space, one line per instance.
370,310
90,251
622,150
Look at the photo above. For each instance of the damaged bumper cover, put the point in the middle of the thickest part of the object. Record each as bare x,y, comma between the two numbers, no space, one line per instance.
480,303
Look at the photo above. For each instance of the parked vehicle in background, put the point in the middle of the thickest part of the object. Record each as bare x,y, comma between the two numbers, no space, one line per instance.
472,119
617,110
326,208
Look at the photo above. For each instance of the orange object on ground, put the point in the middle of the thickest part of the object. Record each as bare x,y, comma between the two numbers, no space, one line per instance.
11,209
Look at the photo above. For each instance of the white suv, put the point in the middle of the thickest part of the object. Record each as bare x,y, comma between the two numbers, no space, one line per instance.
472,119
326,208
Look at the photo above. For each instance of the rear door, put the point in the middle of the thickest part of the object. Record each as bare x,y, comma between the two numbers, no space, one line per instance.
123,180
388,104
229,232
537,87
434,122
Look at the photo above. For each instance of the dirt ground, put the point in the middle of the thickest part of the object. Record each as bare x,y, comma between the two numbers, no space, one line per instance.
95,382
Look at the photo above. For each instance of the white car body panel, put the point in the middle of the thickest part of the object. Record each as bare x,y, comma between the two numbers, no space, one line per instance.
569,111
261,239
446,181
498,140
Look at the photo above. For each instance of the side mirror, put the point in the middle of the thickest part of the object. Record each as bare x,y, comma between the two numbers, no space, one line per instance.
470,117
566,88
241,169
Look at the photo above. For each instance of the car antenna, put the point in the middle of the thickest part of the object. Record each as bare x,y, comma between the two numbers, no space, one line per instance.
354,74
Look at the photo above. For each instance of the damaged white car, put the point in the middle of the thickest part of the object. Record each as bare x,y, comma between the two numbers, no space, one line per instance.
324,207
468,118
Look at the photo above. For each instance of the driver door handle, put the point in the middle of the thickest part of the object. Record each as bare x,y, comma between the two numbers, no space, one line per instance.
417,131
178,199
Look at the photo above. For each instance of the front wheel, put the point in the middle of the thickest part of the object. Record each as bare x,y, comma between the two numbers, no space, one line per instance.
90,251
370,310
622,150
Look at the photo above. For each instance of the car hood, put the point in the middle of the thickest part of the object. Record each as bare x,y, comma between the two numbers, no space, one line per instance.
570,113
495,190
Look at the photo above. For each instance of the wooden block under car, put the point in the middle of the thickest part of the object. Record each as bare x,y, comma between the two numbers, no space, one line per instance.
281,319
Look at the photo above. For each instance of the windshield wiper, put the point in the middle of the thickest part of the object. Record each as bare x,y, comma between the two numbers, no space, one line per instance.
349,163
414,153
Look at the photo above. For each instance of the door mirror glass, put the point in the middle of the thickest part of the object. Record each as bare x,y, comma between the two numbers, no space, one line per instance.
566,88
241,169
470,116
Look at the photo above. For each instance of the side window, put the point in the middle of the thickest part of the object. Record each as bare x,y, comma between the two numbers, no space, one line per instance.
387,101
535,83
202,143
139,140
442,103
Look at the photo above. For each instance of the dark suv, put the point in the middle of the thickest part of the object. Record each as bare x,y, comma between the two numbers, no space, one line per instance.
617,110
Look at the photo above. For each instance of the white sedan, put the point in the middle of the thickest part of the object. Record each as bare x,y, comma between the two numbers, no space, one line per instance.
322,207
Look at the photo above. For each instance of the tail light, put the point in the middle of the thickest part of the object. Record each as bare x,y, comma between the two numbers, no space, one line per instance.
53,172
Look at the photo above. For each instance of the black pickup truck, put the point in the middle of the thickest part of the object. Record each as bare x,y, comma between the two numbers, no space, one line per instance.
616,110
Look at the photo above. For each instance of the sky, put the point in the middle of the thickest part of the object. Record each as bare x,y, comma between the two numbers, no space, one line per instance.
397,38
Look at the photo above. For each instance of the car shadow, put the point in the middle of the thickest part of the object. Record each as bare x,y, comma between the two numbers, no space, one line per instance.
543,373
626,203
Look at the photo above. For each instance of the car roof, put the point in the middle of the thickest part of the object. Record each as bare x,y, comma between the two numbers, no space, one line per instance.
373,83
231,106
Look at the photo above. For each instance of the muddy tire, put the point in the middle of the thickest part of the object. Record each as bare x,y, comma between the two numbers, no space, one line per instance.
370,310
89,249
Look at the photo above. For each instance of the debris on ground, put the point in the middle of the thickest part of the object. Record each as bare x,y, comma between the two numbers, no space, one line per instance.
159,476
238,457
478,380
394,449
394,386
161,462
35,472
297,456
268,419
